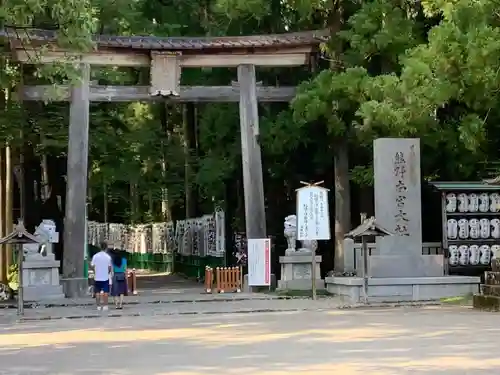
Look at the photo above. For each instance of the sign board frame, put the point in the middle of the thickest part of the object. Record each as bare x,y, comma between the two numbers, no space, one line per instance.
306,196
259,261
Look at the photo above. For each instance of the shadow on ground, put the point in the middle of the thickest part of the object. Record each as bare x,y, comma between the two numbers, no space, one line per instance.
432,341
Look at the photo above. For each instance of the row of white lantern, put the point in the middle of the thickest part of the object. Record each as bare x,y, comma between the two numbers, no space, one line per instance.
473,202
473,228
472,255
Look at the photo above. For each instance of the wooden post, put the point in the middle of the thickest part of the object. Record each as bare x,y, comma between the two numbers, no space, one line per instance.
20,290
9,196
209,279
3,249
218,286
76,187
364,249
255,214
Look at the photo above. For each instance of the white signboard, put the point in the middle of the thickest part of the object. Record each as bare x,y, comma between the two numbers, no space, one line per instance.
313,220
259,262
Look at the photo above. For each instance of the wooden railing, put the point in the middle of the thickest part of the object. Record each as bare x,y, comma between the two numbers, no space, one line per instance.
227,279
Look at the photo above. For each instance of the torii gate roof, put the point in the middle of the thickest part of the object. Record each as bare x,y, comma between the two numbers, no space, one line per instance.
286,40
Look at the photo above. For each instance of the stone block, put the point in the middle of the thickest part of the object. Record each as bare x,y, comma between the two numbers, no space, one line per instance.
401,289
256,289
43,293
296,272
349,255
488,303
396,163
41,280
405,266
305,284
490,290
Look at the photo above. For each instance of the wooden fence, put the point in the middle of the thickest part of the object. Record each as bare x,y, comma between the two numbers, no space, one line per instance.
226,279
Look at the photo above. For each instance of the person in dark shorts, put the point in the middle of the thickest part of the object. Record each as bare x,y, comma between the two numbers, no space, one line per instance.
119,285
102,265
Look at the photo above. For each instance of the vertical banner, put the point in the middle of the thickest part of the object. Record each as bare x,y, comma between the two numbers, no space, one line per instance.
259,262
220,230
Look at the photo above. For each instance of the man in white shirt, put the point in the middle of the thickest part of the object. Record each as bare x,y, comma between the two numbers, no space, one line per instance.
102,265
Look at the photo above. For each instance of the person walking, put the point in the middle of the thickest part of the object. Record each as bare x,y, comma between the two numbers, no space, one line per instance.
119,284
102,266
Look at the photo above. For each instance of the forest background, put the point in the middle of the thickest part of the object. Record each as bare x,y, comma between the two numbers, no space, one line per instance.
392,68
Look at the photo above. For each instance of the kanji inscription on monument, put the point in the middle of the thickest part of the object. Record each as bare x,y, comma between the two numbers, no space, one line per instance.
397,193
401,217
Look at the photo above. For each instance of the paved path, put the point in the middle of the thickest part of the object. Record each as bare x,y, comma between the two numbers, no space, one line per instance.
423,341
260,304
155,289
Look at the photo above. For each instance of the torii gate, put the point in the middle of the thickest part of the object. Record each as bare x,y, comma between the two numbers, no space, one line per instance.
166,57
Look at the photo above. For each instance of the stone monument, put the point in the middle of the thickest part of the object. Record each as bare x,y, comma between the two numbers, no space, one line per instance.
40,268
396,268
296,265
396,165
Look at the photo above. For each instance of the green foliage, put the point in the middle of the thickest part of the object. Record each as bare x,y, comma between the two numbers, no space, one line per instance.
400,69
448,86
73,21
219,135
331,97
380,31
13,277
235,9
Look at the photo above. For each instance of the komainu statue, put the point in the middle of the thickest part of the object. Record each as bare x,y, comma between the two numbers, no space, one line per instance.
290,232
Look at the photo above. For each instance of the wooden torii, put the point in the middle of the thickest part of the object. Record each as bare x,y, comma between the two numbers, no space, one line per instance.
166,57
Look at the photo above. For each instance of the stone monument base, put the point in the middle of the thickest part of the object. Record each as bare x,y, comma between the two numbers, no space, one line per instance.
41,280
296,271
402,289
401,266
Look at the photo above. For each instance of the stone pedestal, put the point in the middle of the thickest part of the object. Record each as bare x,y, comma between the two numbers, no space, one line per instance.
397,270
41,280
40,268
296,271
402,289
401,266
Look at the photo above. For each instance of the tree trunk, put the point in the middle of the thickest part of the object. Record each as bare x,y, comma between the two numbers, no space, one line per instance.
189,132
45,188
342,200
151,207
134,203
165,207
341,150
105,202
